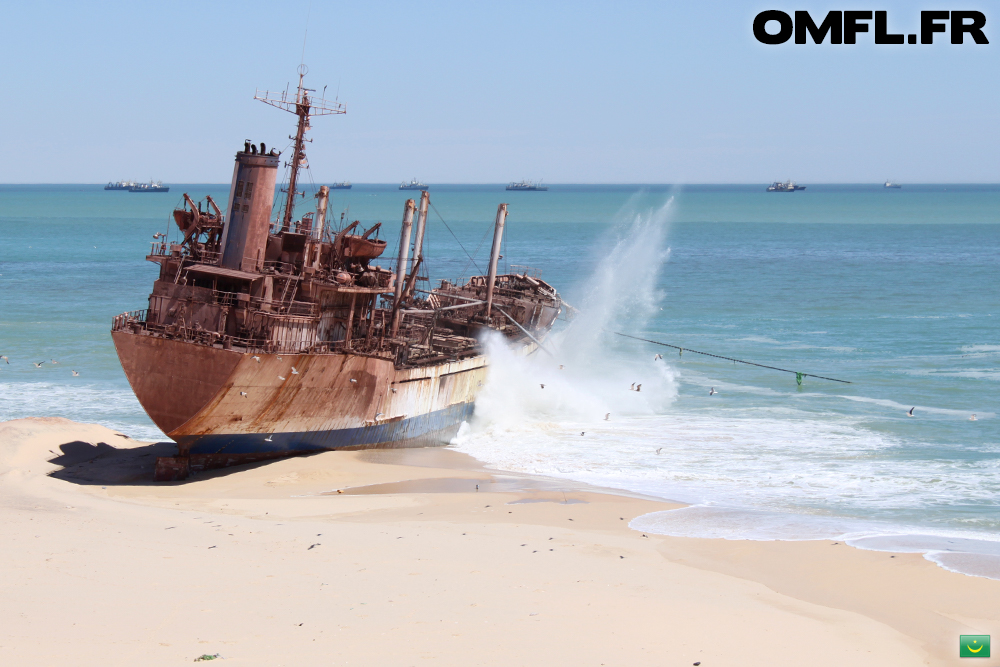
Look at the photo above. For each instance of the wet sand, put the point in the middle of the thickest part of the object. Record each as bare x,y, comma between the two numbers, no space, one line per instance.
395,558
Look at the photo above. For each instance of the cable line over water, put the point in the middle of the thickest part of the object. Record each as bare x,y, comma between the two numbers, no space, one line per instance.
798,375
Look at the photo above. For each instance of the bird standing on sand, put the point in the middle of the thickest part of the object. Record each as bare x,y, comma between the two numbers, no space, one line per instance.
910,413
607,417
712,392
75,374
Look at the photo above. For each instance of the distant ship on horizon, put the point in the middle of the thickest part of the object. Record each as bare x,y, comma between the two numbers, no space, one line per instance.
412,185
787,186
158,186
345,185
528,186
890,184
119,185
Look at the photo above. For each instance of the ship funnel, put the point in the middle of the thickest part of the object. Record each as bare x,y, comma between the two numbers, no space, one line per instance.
251,196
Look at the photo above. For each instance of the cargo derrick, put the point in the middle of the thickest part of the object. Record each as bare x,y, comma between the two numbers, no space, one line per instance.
264,340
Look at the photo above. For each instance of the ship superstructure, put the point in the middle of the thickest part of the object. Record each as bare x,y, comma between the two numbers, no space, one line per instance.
264,340
119,185
152,186
414,184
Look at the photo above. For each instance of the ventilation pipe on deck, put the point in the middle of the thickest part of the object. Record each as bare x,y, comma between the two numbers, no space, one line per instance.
404,255
495,256
319,220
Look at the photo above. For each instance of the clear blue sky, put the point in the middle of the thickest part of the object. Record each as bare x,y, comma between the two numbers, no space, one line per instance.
640,92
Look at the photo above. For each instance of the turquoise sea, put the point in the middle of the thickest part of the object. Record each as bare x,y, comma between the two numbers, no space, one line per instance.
895,291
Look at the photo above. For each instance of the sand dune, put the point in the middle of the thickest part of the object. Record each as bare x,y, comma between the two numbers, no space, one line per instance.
409,564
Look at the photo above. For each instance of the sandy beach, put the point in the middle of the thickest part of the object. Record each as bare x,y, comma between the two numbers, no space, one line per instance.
396,558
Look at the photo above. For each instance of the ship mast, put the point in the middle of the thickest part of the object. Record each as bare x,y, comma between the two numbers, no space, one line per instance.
304,107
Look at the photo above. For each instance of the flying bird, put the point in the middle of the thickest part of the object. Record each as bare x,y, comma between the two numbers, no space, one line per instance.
638,387
269,438
658,356
542,386
75,374
54,361
560,366
243,394
607,417
632,388
583,433
256,358
353,380
973,417
378,416
281,378
39,364
658,449
294,372
910,413
712,392
5,358
279,358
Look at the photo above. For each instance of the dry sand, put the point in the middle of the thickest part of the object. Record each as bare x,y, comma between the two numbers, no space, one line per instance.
411,565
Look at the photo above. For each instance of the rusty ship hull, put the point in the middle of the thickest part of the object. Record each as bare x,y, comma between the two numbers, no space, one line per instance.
222,402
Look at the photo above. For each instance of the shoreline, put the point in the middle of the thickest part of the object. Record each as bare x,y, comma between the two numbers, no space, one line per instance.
409,563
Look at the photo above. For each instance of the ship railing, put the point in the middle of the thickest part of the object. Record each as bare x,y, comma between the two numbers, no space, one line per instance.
273,306
124,321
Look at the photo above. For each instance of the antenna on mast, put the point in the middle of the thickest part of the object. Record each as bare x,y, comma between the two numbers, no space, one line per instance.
304,106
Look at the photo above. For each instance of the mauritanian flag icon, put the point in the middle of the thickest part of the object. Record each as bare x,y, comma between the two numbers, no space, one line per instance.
974,646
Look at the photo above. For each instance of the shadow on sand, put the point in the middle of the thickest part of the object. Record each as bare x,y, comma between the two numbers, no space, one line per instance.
88,464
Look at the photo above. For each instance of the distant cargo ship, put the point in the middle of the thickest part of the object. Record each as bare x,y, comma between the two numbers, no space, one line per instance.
346,185
412,185
149,187
787,186
890,184
119,185
527,186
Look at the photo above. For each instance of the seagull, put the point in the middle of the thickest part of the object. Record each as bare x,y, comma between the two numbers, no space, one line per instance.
712,392
583,432
973,417
256,358
281,378
294,372
658,356
638,387
54,361
243,394
632,388
542,386
658,449
279,358
910,413
607,417
378,416
353,380
269,438
75,374
5,358
39,364
560,366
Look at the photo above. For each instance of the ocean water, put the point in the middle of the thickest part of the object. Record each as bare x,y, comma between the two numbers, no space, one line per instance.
895,291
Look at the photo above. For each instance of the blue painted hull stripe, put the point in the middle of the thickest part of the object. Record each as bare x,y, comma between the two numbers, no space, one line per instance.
366,436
